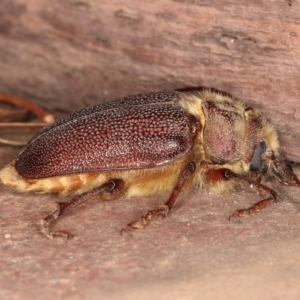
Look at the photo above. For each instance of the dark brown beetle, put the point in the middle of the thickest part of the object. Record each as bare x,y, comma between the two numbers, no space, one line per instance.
149,144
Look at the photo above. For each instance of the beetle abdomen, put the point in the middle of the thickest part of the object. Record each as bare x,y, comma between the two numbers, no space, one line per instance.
70,184
140,182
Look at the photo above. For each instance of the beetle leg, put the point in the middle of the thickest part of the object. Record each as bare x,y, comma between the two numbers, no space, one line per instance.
110,186
247,212
165,208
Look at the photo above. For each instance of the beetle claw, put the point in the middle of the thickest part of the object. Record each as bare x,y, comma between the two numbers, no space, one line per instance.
235,217
126,230
44,226
64,234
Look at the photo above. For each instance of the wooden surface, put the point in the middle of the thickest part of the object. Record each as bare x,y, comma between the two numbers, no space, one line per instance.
69,54
194,253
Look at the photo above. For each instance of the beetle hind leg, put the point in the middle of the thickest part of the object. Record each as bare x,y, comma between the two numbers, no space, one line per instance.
112,186
164,209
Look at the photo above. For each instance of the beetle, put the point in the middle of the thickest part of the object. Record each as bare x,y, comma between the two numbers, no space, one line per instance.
147,144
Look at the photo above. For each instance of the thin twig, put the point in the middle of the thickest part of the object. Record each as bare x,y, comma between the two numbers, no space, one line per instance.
35,109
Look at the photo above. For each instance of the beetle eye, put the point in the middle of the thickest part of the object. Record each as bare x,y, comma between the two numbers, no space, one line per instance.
257,162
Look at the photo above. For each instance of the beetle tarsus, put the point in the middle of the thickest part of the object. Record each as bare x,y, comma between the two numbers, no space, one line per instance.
45,230
252,210
146,219
45,224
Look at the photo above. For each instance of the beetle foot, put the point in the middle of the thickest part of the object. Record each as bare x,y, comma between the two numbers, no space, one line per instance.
146,219
235,217
252,210
126,230
46,223
45,230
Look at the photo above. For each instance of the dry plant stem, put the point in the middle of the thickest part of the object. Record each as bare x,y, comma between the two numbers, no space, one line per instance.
46,223
22,125
18,125
12,143
165,208
38,111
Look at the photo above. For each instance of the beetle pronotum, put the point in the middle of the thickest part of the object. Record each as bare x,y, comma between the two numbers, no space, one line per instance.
150,144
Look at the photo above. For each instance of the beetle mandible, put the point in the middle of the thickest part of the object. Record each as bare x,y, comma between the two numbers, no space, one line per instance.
149,144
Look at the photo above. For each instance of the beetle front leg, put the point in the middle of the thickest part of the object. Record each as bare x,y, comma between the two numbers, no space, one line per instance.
165,208
215,175
111,186
258,206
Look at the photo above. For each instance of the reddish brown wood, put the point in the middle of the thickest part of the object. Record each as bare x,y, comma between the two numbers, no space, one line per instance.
69,54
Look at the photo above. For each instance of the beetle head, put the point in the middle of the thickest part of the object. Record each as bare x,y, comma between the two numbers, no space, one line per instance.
265,161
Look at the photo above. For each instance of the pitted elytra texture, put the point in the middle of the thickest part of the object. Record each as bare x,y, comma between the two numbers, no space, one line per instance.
130,137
